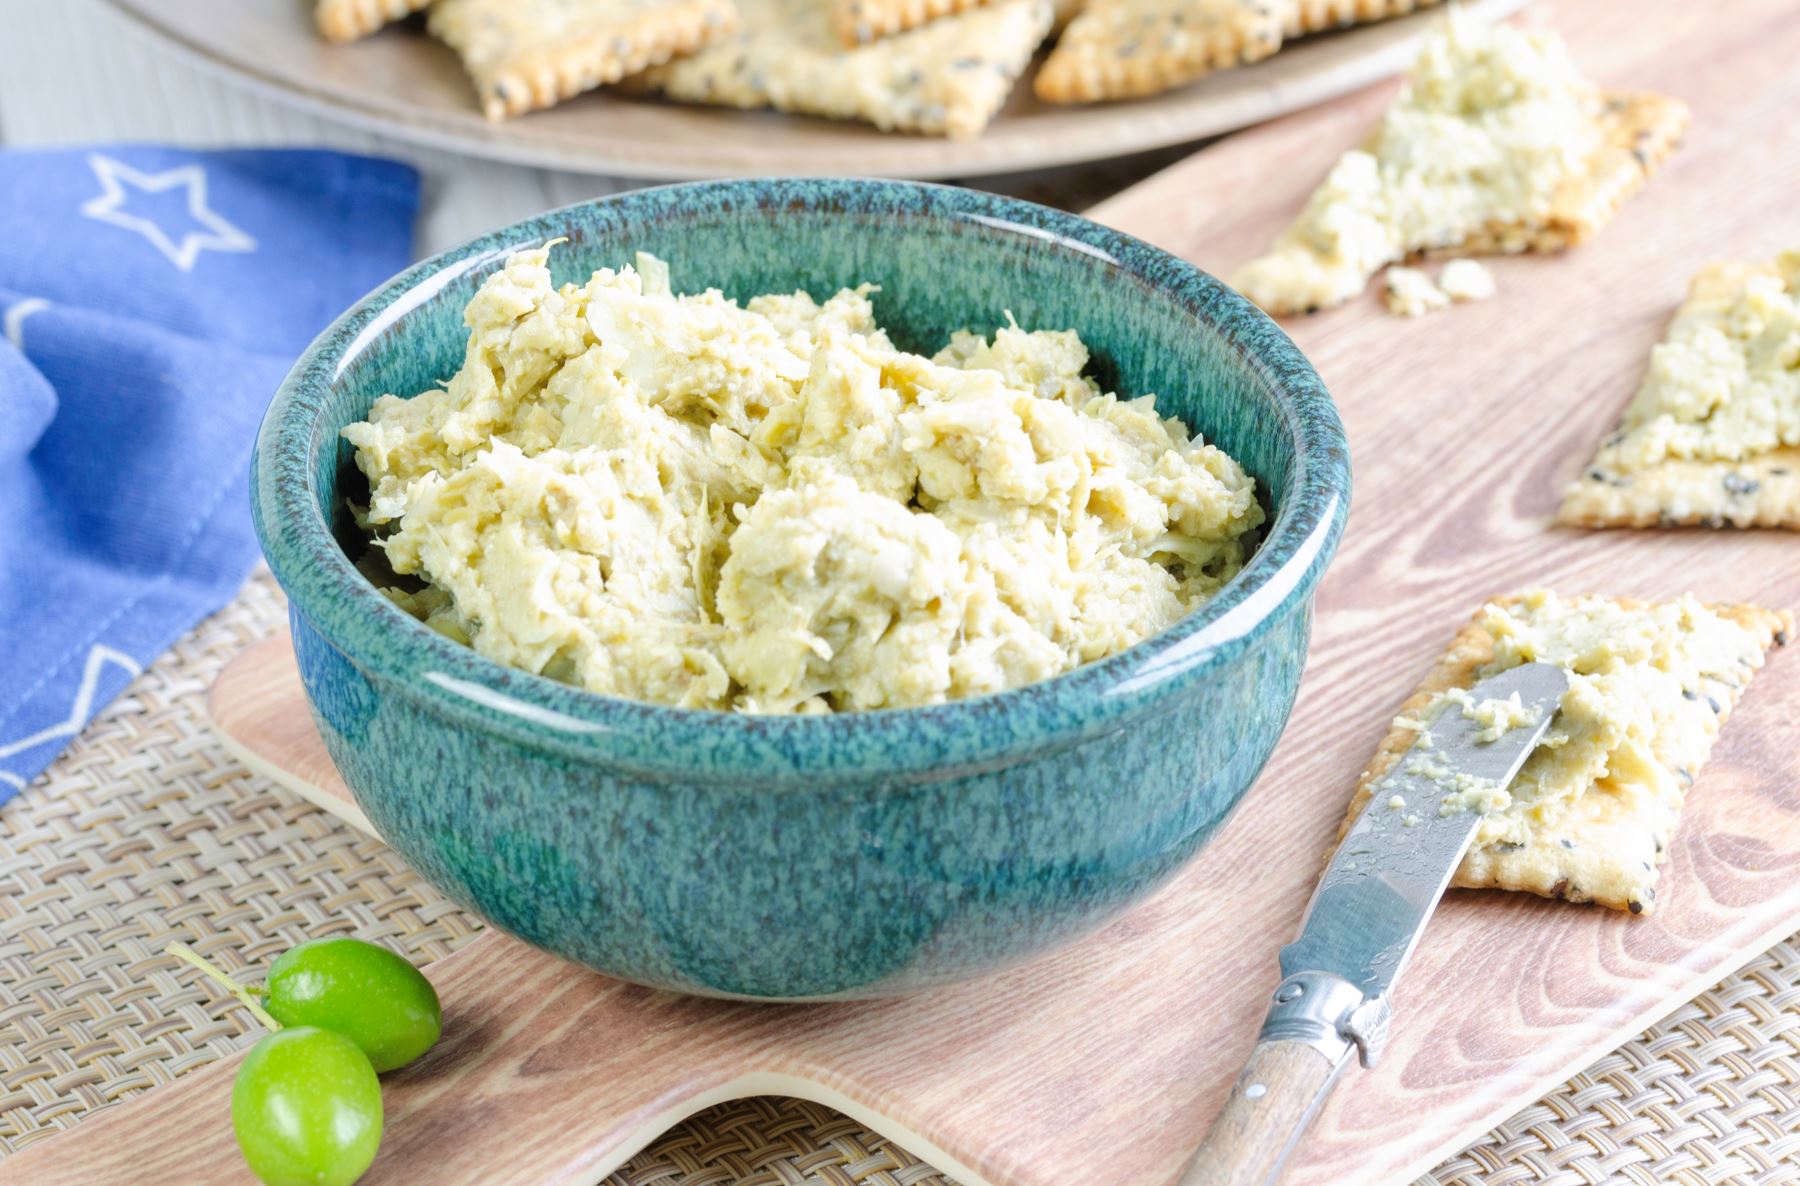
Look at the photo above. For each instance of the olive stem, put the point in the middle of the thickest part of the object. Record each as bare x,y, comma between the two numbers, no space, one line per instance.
183,952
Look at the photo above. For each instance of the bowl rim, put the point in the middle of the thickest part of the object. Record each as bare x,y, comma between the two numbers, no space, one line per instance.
329,595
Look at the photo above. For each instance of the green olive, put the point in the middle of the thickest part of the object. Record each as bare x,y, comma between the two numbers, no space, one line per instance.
306,1106
359,990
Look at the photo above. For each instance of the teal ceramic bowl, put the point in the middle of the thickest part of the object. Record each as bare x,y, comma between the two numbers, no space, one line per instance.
814,857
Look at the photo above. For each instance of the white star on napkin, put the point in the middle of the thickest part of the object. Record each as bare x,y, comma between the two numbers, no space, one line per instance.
109,207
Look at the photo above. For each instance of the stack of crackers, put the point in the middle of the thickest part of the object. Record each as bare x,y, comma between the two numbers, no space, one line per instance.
933,67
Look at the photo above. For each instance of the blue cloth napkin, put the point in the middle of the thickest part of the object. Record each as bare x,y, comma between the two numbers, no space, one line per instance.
151,300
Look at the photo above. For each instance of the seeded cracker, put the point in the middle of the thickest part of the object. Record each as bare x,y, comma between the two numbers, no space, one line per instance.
346,20
1120,49
1496,144
528,54
1319,16
1713,435
859,22
1592,812
946,78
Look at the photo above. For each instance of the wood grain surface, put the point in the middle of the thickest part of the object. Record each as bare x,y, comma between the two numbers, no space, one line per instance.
259,706
1104,1062
401,83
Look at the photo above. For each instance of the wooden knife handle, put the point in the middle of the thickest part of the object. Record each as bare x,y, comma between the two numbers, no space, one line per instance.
1271,1106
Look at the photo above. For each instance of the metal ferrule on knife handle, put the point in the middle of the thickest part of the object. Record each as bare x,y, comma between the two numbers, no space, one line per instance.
1329,1014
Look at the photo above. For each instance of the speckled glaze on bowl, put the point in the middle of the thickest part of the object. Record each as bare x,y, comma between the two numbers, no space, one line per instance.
815,857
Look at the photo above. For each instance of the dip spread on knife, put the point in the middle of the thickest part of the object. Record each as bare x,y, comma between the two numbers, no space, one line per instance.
767,507
1589,815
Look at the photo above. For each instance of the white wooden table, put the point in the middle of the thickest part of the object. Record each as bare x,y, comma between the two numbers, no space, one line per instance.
75,71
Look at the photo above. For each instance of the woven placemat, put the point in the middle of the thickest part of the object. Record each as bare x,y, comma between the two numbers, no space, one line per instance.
146,831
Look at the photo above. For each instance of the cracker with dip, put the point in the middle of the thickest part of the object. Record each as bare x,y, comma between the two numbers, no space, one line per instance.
1589,817
1713,435
1496,145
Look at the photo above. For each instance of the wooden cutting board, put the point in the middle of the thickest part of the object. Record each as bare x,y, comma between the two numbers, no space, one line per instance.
1102,1063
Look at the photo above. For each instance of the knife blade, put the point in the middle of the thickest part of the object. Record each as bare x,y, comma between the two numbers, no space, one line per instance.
1364,922
1386,877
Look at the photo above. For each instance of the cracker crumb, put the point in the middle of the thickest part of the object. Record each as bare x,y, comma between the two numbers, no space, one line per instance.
1466,280
1411,293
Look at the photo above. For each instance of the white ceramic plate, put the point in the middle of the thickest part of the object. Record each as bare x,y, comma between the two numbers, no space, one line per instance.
402,83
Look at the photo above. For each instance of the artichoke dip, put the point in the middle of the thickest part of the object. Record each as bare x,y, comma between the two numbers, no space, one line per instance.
769,508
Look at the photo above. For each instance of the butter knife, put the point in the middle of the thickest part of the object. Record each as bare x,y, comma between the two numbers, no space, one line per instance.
1365,918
